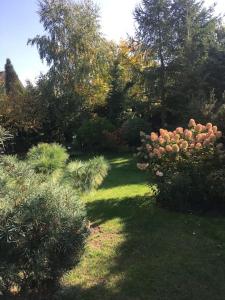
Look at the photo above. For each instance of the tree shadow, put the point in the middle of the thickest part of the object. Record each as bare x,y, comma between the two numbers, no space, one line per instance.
164,255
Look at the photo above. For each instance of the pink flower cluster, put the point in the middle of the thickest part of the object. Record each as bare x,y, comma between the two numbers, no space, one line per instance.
181,140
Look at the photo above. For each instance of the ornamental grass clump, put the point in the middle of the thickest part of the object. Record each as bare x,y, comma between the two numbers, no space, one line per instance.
46,158
180,163
86,176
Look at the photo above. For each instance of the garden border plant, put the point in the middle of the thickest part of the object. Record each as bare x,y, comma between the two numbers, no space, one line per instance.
181,163
43,222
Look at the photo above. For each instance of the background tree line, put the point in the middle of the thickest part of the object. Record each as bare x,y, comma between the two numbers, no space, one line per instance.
99,95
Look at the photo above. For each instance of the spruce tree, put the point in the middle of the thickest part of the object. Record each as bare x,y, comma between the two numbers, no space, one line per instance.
12,82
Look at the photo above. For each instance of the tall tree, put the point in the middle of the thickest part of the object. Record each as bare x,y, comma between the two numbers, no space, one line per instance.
180,33
12,83
195,28
76,54
155,32
128,90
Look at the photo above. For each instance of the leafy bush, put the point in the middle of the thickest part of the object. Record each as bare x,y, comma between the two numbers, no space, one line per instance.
180,161
216,187
91,133
47,157
114,141
42,230
86,176
131,130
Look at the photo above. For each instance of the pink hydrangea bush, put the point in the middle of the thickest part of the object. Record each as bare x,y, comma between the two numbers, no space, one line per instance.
194,152
181,143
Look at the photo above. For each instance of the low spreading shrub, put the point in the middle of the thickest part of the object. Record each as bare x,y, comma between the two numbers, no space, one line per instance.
183,164
46,158
131,128
91,133
114,141
42,230
86,176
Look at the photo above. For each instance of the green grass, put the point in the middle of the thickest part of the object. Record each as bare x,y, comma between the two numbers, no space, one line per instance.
137,251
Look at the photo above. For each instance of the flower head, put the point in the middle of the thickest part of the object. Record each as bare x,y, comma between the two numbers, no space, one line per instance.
188,134
154,137
166,137
169,148
209,126
191,123
215,129
175,148
198,128
162,150
160,174
161,140
179,130
198,146
177,137
184,145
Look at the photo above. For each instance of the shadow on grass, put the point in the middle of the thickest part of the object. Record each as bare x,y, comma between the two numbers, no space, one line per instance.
164,255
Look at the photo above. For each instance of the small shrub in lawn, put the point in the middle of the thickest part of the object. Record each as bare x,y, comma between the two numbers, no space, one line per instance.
47,157
182,164
42,231
114,141
86,176
91,133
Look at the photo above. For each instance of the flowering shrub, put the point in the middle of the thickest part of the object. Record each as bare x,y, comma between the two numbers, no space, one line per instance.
179,161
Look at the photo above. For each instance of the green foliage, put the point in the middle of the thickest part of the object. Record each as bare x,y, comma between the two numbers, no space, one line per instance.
4,136
183,163
131,128
91,133
46,158
216,187
86,176
79,58
12,83
180,34
42,230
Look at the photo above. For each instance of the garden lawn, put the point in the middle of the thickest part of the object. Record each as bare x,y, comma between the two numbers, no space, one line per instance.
137,251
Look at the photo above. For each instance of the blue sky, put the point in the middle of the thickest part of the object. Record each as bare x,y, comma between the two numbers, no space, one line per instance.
19,21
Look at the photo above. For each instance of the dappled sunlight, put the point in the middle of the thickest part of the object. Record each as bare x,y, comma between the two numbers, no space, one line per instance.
139,251
121,192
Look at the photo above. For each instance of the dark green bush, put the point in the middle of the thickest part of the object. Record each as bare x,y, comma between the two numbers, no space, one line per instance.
215,184
131,130
47,157
197,186
86,176
42,230
91,133
185,191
